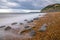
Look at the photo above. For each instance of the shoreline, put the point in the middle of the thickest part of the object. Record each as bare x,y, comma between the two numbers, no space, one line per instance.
52,30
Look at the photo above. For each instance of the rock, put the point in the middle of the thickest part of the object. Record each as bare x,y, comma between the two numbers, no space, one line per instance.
32,33
25,20
21,32
36,18
30,21
14,23
39,15
43,28
28,28
2,26
8,28
1,38
21,23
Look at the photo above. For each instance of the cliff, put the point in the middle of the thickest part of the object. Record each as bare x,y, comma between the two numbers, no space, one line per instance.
52,8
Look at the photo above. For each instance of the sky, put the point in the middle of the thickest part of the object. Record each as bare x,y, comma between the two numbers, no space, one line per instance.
26,4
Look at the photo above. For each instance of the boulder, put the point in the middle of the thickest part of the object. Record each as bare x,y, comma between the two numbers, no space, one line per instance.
8,28
36,18
2,26
28,28
14,23
21,23
32,33
30,21
43,28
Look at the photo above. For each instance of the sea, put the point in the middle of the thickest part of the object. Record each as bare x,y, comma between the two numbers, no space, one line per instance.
8,18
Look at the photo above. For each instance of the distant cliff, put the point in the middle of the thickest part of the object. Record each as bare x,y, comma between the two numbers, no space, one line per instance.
51,8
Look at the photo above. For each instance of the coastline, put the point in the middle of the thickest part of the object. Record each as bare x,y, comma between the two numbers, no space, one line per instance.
52,30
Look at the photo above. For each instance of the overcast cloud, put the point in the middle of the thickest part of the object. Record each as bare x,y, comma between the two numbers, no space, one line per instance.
26,4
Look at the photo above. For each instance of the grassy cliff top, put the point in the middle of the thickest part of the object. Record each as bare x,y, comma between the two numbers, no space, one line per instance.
51,8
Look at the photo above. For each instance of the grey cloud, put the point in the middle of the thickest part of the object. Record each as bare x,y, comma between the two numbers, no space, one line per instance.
26,4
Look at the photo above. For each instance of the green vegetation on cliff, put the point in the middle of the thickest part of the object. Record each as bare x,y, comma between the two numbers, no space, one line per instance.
51,8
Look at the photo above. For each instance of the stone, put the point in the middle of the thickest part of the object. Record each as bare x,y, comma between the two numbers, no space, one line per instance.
2,26
8,28
36,18
30,21
43,28
21,32
21,23
39,15
28,28
14,23
1,38
25,20
32,33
